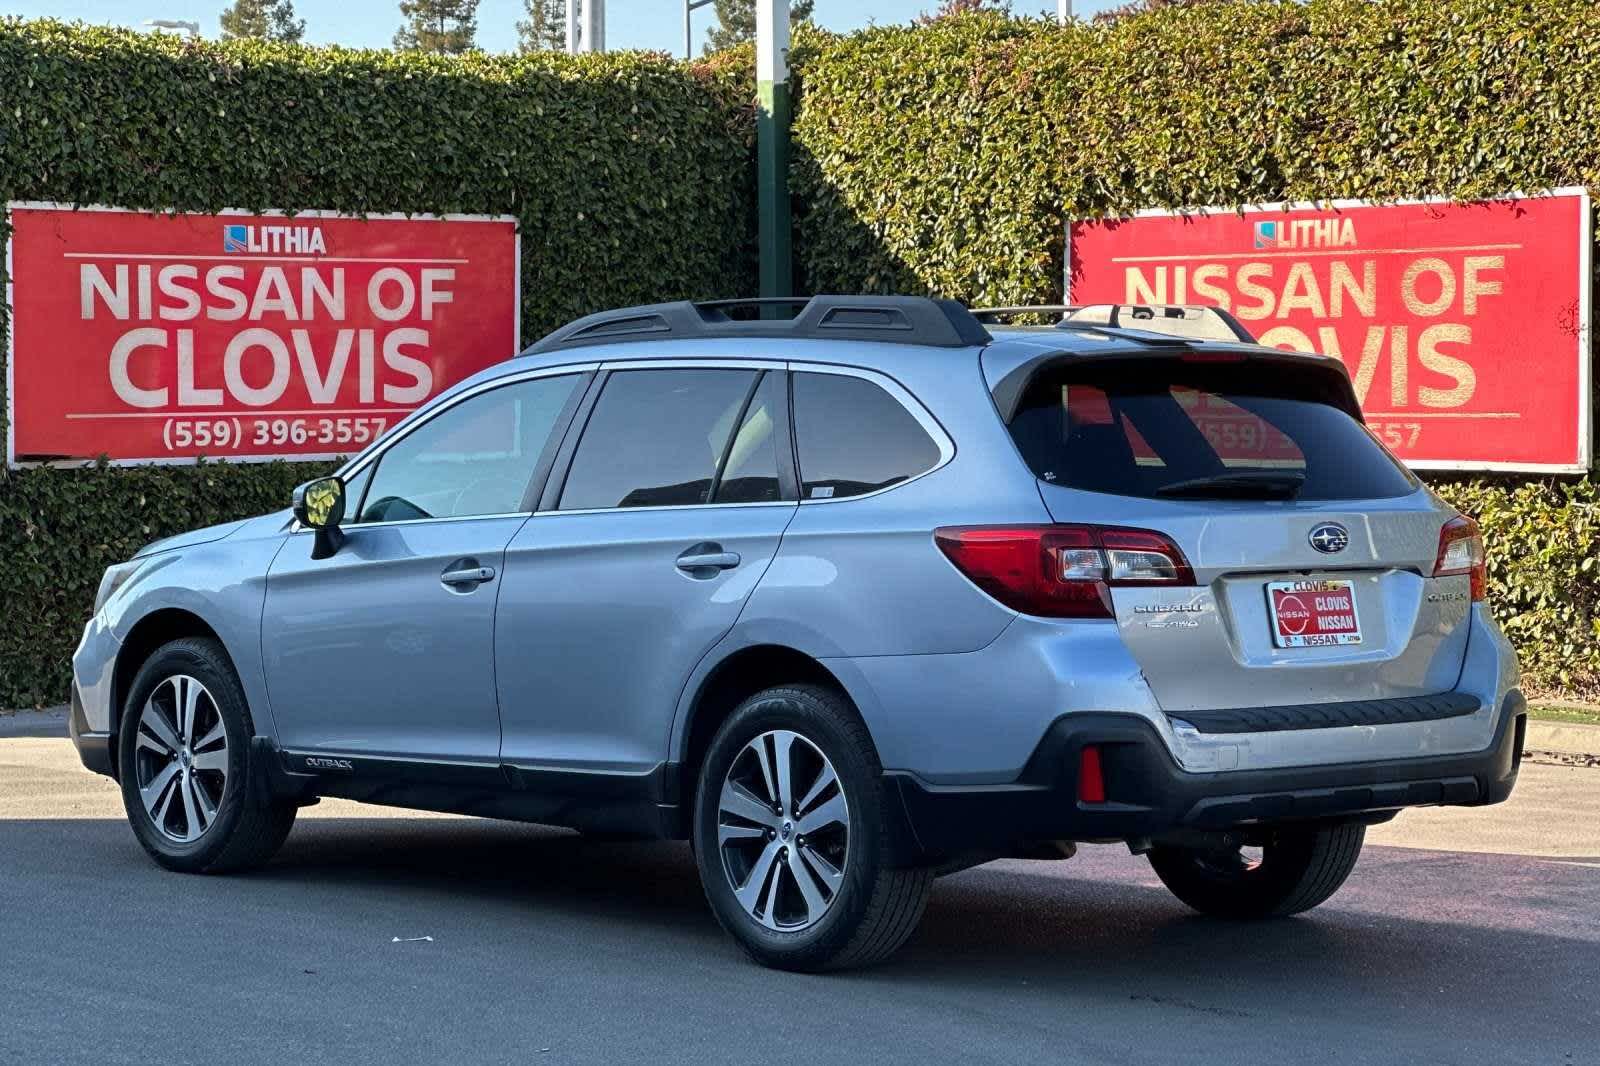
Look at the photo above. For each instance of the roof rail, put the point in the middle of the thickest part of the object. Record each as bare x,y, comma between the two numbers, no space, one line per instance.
919,320
1185,322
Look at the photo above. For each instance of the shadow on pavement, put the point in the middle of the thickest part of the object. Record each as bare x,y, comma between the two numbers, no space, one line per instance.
1429,954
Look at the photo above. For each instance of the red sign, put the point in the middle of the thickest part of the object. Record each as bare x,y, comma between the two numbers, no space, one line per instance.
156,337
1465,325
1313,614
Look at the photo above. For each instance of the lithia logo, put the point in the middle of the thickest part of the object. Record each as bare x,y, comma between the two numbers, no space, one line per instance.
1286,234
283,240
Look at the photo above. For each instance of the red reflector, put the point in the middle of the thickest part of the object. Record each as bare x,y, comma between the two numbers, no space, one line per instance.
1091,782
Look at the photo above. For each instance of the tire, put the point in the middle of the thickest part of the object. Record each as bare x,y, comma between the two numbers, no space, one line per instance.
855,917
215,812
1298,869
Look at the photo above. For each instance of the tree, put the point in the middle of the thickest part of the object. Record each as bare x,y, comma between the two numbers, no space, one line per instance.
545,29
736,21
448,26
270,19
950,8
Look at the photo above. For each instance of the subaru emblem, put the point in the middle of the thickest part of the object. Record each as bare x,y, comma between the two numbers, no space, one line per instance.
1329,538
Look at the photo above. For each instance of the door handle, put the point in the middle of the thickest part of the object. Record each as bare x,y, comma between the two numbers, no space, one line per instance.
470,575
703,560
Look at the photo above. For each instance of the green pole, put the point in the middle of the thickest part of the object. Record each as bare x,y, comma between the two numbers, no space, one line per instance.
772,147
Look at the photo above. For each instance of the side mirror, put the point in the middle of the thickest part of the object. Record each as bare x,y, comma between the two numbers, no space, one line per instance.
319,505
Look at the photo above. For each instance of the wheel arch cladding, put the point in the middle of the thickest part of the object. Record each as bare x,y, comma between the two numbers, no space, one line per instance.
735,679
158,628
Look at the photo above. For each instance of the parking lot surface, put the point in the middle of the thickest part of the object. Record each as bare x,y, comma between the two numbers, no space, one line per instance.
549,948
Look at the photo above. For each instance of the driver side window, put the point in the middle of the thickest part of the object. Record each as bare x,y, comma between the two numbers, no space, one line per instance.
474,459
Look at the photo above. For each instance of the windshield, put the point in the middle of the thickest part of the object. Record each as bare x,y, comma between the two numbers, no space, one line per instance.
1191,430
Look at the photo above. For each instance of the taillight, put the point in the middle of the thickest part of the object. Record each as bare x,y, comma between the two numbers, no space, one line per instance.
1461,552
1062,571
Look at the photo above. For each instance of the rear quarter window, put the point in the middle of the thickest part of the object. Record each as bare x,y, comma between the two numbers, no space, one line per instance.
1167,428
852,438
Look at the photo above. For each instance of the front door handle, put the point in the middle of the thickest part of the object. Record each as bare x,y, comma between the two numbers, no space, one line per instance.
704,560
469,575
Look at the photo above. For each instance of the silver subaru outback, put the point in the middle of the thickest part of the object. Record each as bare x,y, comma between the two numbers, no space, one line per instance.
848,593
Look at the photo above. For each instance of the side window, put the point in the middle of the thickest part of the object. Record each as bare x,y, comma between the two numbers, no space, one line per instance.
750,473
474,459
853,438
656,438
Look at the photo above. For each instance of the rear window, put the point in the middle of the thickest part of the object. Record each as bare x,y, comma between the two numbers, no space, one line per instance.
1171,429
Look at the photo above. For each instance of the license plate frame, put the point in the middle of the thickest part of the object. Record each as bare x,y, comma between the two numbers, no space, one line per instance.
1313,613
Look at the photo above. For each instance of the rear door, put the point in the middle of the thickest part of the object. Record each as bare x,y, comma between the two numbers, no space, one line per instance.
1311,546
640,559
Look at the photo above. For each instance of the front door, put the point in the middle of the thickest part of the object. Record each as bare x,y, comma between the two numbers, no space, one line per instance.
640,561
386,649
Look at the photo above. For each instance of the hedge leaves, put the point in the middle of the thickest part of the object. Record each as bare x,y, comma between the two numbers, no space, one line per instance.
630,174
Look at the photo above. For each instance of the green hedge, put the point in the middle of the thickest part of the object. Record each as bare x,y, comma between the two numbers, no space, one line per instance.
947,159
630,175
944,158
1544,574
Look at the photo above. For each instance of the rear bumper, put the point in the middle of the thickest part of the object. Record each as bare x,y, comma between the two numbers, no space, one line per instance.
1148,794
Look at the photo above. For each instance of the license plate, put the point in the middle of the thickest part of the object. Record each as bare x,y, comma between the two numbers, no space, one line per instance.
1313,614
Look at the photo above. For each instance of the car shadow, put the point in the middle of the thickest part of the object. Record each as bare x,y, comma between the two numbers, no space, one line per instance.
1095,929
1102,914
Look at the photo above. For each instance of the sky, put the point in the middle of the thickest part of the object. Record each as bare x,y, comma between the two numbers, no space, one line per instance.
654,24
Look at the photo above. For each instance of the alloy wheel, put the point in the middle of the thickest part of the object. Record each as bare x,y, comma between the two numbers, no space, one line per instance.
182,758
783,830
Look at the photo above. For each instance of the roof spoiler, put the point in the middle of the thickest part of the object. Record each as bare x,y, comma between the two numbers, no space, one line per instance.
1009,389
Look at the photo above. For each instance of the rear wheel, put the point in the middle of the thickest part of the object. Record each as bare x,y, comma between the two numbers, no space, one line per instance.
792,836
192,792
1292,870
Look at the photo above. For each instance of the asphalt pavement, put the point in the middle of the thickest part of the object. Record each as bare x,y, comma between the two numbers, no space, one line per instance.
548,948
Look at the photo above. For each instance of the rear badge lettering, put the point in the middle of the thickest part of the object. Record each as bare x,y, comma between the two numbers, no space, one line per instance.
1179,609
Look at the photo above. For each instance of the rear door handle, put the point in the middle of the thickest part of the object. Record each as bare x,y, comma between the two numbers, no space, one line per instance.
706,558
470,575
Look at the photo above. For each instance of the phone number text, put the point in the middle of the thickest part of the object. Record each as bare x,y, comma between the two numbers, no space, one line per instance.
236,434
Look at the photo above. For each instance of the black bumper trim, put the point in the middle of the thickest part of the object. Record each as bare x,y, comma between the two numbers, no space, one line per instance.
1149,795
94,749
1330,715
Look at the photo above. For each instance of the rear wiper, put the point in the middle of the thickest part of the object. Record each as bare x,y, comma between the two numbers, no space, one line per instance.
1244,484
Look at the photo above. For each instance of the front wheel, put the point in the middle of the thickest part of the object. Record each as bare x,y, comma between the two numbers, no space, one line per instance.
190,782
1293,870
792,836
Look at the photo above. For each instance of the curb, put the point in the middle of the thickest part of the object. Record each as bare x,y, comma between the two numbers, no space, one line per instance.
1572,738
51,722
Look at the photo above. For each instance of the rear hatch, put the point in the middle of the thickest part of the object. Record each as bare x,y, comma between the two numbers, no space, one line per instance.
1312,549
